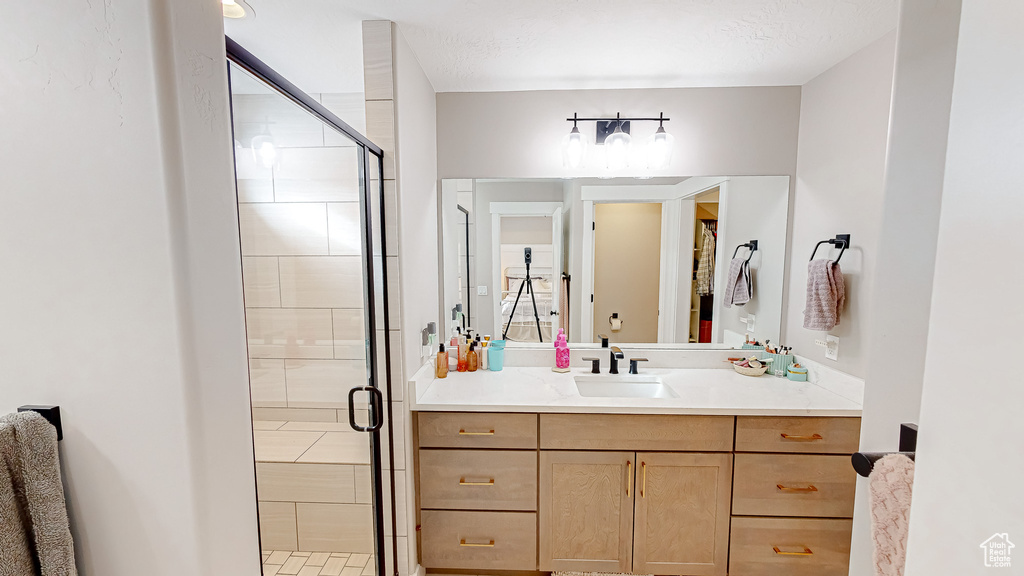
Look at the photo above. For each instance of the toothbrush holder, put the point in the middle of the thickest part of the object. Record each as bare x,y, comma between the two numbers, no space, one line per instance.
780,362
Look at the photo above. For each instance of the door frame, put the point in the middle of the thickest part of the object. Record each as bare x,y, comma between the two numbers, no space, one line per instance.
552,210
371,167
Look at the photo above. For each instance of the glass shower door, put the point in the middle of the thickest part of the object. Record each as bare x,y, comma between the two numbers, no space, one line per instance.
309,241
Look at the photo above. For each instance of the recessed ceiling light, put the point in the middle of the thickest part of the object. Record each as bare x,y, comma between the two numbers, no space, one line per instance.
232,9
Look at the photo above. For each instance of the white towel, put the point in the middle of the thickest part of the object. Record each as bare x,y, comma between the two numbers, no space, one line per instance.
892,482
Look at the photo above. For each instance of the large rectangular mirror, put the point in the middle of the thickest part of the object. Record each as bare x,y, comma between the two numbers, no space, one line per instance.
688,261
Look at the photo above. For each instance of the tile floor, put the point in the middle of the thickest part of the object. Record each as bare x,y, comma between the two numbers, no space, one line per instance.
310,442
283,562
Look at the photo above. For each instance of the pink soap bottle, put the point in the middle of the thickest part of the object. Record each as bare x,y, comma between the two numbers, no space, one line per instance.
561,352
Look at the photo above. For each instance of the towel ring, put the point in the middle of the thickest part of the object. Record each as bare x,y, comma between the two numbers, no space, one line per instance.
841,240
752,245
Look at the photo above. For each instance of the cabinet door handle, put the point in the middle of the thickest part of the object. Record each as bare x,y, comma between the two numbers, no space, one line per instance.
808,488
462,482
794,438
464,433
643,482
629,475
476,545
806,552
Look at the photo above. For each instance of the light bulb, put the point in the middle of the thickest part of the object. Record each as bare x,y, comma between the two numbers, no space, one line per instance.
574,148
232,9
264,152
617,148
659,149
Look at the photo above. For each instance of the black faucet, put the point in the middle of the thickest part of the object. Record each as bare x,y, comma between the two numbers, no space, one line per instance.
616,356
604,340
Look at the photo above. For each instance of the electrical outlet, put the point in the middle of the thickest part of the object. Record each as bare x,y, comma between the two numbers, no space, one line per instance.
481,290
832,347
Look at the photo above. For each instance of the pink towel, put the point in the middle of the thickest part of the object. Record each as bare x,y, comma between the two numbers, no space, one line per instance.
826,295
892,482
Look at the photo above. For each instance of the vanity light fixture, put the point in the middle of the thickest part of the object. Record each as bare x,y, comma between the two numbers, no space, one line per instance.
574,147
659,147
614,134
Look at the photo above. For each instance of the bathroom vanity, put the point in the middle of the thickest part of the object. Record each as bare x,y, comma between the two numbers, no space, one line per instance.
722,474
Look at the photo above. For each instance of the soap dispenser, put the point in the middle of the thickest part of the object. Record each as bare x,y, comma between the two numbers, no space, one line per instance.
561,353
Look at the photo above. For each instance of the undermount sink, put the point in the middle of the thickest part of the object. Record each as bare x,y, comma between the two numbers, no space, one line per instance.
623,386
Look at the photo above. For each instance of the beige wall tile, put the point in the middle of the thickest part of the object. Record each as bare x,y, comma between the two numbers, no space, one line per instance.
394,292
349,334
390,216
397,377
283,482
340,426
289,229
289,333
401,499
279,446
339,447
277,525
260,282
266,383
322,383
295,414
344,229
322,282
378,78
380,129
317,175
364,485
350,107
335,527
398,423
273,114
255,183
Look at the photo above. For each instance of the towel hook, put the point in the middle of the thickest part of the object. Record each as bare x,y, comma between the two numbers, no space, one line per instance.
753,247
841,240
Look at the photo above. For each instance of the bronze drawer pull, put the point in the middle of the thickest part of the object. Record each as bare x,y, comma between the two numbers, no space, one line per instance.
808,488
810,438
462,482
806,552
464,433
629,475
471,545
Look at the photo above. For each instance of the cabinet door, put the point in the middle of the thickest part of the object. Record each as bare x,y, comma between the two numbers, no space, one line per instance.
682,513
586,511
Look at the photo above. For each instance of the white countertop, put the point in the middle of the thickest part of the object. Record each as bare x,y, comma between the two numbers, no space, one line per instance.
711,391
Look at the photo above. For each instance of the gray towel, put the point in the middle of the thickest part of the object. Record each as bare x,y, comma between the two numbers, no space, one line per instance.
738,288
826,295
34,534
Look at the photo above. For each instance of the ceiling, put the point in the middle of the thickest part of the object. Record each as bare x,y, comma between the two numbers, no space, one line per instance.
487,45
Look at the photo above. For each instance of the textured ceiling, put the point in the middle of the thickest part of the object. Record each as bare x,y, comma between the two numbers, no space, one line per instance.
487,45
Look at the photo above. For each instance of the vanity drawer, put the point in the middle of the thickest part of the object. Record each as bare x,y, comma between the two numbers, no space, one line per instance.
478,479
479,540
789,547
793,485
648,432
477,430
797,434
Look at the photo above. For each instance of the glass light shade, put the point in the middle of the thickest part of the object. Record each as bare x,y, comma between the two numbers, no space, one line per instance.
232,9
659,149
574,149
617,149
263,151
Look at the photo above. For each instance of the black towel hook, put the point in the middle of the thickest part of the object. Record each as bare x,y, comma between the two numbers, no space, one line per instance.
841,240
753,247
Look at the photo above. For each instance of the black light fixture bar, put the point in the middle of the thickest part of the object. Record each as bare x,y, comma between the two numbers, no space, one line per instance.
614,119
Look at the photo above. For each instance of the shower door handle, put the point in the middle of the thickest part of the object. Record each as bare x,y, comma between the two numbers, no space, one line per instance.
375,413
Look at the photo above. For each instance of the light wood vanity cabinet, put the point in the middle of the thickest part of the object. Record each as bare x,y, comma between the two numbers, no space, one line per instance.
647,494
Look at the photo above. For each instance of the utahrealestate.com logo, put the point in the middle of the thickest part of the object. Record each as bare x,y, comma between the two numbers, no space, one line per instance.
997,550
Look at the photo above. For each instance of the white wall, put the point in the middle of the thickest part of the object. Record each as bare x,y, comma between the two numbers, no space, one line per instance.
122,293
969,463
904,256
844,120
718,131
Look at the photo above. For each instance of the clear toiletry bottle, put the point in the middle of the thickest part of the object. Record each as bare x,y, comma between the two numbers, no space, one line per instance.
441,366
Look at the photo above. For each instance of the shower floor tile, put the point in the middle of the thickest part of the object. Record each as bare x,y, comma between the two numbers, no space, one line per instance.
286,563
